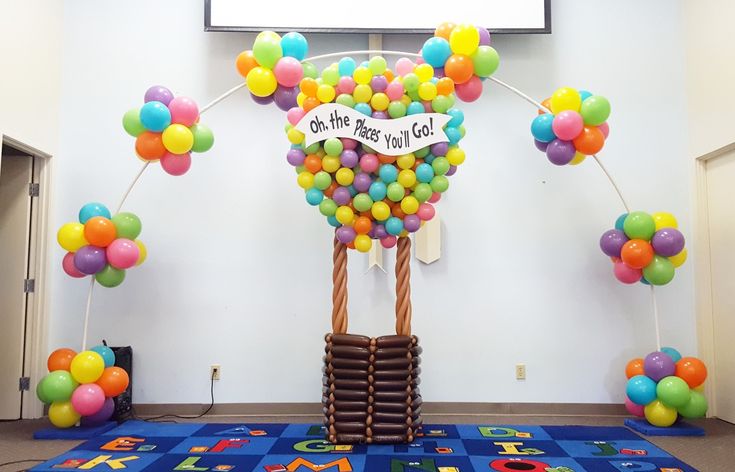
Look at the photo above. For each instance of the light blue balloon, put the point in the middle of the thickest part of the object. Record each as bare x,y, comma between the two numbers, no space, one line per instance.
92,209
453,134
436,51
585,94
541,128
388,173
364,108
314,196
377,191
394,226
294,45
457,117
644,281
620,222
107,355
429,158
414,108
155,116
352,190
424,172
332,220
346,66
641,390
673,353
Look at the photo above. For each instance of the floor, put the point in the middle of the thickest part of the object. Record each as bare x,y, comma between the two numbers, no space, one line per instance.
713,453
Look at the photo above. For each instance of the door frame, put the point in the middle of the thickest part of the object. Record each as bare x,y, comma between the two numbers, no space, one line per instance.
703,275
36,331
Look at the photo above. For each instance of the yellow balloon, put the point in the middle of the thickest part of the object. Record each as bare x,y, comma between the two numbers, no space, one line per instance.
380,211
409,205
295,136
300,99
664,220
261,81
406,161
679,259
699,388
659,414
427,91
455,156
578,159
362,93
330,163
71,237
406,100
345,176
87,367
362,75
142,252
63,415
178,139
565,98
325,93
380,101
305,180
464,39
407,178
424,72
345,215
363,243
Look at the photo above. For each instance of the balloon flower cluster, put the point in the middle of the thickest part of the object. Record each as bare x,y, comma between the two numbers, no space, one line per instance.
664,386
645,248
101,245
167,128
81,386
576,127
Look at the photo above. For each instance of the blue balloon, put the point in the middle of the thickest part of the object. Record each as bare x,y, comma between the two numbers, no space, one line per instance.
644,281
107,355
377,191
414,108
155,116
453,134
92,209
364,108
641,390
314,196
294,45
436,51
332,220
457,117
352,190
585,94
424,172
620,222
394,226
541,128
388,173
429,158
673,353
346,66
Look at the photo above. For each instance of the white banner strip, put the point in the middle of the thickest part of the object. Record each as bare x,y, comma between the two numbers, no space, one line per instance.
391,137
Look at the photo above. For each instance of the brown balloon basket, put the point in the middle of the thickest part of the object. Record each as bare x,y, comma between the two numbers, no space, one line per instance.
370,388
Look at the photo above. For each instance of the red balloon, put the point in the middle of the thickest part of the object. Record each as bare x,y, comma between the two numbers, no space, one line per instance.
470,90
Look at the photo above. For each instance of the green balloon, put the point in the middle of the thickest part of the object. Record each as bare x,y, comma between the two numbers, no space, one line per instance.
423,152
439,183
659,271
131,122
322,180
639,225
310,70
312,149
330,76
328,207
696,407
673,391
423,192
595,110
462,131
333,147
127,225
396,109
414,95
377,65
440,165
300,169
411,82
267,50
203,138
346,100
110,277
56,386
396,192
485,60
441,104
362,202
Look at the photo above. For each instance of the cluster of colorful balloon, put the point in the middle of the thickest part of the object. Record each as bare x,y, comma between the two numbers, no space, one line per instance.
101,245
81,386
576,127
645,248
167,128
665,385
463,54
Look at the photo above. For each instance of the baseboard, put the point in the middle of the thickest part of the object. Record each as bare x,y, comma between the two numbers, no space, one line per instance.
429,409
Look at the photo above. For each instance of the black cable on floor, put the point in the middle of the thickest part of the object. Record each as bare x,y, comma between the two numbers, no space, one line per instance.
22,461
211,405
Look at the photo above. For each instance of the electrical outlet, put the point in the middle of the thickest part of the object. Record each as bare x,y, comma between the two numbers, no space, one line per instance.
520,371
215,371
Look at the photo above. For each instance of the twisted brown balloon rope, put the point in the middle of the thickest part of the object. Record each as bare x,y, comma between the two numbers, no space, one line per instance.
403,287
339,288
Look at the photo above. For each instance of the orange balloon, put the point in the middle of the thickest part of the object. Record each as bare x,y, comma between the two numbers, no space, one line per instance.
444,30
389,75
384,159
459,68
590,141
308,86
397,212
362,225
692,371
637,253
444,86
330,190
113,381
313,163
245,62
60,359
310,103
99,231
634,367
149,146
547,104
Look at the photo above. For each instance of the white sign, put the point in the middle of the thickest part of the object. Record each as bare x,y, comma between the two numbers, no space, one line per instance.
390,137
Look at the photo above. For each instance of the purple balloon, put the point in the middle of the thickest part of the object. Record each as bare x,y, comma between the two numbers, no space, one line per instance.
658,365
484,36
348,158
90,259
102,415
379,231
159,93
668,242
380,115
452,170
341,196
345,234
438,72
540,145
285,97
295,157
378,83
560,152
612,242
262,100
362,182
411,223
440,149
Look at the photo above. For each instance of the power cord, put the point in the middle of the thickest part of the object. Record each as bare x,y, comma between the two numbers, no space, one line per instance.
22,461
155,418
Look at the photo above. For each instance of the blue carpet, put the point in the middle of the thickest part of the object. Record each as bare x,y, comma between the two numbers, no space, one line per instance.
139,446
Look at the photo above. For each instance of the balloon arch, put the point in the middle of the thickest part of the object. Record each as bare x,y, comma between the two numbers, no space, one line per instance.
373,148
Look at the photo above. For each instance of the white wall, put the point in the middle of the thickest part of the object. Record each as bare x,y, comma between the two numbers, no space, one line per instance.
239,266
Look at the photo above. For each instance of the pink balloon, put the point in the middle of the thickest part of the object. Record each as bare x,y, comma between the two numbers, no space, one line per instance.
69,267
404,66
176,164
435,197
294,115
388,241
288,71
633,409
605,128
426,211
567,125
470,90
427,107
122,254
346,85
369,162
348,143
183,111
394,90
626,274
87,399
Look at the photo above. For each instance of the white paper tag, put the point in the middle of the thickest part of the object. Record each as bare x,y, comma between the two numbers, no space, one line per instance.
392,137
